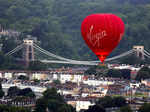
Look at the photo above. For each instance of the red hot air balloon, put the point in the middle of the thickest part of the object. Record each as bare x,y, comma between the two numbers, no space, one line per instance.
102,33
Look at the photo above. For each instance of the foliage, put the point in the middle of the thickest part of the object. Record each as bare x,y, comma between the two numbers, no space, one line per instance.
56,23
96,108
8,63
119,101
5,108
36,81
22,77
15,91
26,92
132,60
125,109
51,100
143,73
114,73
126,73
108,101
144,108
56,81
91,70
105,72
37,65
2,93
100,70
52,94
122,73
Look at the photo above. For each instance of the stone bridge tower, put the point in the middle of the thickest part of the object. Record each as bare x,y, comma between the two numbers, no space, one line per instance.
139,51
28,51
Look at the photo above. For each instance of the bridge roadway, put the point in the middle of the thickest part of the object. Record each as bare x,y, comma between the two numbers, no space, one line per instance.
36,89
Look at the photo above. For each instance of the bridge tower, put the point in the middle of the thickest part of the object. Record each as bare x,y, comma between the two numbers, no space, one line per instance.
28,51
139,51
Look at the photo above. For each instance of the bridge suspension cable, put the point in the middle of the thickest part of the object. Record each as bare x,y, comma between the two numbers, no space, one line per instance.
14,50
70,61
146,55
61,58
85,62
119,56
146,52
50,54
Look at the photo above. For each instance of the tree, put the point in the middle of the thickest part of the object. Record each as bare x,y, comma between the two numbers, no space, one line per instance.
50,101
125,109
91,71
2,59
6,108
22,77
132,60
144,108
26,92
99,70
96,108
106,102
37,65
36,81
52,94
109,101
119,101
125,73
41,105
8,44
102,70
56,81
114,73
143,73
1,91
13,91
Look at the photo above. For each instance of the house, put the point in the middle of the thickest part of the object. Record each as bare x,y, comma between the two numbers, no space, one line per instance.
39,76
8,75
83,104
146,82
96,82
115,89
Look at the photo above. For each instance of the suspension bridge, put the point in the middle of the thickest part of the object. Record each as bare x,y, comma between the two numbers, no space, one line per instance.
29,47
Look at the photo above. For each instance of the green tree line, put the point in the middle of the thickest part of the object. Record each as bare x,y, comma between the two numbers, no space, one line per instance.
56,23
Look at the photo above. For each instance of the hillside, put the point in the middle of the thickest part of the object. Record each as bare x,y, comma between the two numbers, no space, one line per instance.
56,23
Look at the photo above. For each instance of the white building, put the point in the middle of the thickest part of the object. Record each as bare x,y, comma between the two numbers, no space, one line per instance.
76,78
127,67
70,78
135,84
8,75
39,76
83,104
55,76
66,92
85,94
34,88
65,78
1,75
21,73
97,82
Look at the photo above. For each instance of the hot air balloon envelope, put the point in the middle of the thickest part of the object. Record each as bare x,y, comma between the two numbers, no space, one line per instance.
102,33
